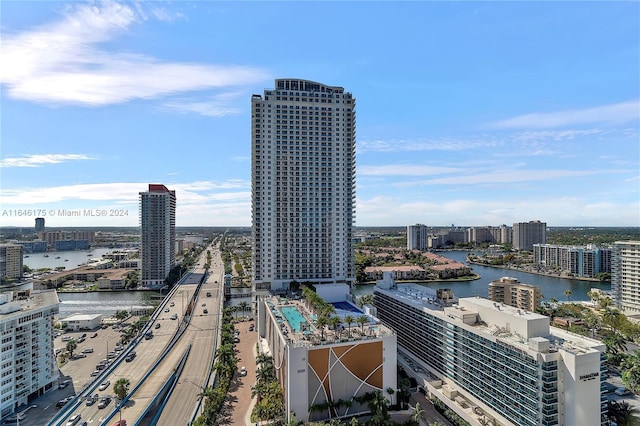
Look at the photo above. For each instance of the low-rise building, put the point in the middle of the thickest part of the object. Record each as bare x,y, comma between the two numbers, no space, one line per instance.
82,322
512,292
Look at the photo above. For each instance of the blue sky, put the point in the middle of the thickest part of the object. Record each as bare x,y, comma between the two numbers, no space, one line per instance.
468,113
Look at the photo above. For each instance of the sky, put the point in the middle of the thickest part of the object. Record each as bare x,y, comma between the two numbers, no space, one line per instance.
467,113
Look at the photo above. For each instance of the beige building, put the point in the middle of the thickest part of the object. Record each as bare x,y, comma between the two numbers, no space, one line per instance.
512,292
11,261
625,275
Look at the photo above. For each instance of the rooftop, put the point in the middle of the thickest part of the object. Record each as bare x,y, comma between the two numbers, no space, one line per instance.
16,303
298,326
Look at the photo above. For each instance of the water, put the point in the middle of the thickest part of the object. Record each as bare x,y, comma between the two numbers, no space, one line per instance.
68,259
293,316
551,287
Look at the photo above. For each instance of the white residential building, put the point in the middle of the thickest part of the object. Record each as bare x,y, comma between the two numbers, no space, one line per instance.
482,358
158,234
625,275
417,237
303,184
28,367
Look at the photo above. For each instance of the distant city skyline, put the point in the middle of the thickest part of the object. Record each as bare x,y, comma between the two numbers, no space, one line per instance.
468,113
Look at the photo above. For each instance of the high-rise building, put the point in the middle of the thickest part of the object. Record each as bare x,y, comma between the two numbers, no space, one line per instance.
587,261
11,266
504,363
417,237
625,275
39,224
526,234
303,184
28,367
512,292
158,234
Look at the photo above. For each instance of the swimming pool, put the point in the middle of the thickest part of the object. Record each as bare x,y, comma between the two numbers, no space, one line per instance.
293,316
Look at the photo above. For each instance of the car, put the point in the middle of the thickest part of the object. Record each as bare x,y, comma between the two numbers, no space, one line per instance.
251,327
80,340
130,357
111,355
622,391
174,316
157,325
104,402
236,339
208,294
87,351
205,311
66,338
104,327
120,423
172,304
73,420
62,402
243,371
94,335
83,335
204,304
64,384
91,400
167,310
96,372
104,385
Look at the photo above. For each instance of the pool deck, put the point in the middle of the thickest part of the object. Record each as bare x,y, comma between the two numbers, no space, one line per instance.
313,335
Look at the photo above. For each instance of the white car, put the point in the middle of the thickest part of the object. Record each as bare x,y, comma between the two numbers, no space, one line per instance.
243,371
104,385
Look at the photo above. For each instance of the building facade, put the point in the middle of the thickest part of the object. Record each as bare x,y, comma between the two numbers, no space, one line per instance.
512,292
303,184
625,275
587,261
158,235
316,367
417,237
39,224
508,364
526,234
28,367
11,265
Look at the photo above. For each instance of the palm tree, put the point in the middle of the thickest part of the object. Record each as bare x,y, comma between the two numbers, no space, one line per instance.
418,411
568,293
121,388
362,320
321,322
71,346
378,405
244,306
334,322
349,319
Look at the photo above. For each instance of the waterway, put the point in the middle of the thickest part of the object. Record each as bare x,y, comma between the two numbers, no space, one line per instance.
107,303
67,259
551,287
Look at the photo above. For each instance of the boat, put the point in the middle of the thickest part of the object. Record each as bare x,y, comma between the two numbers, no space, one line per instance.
26,255
46,255
57,257
66,260
90,254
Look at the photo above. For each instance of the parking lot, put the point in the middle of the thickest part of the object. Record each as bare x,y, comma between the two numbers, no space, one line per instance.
75,374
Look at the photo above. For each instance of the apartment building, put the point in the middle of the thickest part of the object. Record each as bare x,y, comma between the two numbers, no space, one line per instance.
417,237
490,234
52,237
27,364
11,266
526,234
512,292
303,184
158,234
483,359
625,275
586,261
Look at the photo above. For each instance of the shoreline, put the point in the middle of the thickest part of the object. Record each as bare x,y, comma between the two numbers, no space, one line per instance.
456,280
544,274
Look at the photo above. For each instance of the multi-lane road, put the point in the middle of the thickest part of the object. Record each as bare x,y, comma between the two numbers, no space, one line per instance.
188,317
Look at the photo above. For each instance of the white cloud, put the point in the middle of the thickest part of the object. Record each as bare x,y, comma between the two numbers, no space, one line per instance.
611,114
60,63
37,160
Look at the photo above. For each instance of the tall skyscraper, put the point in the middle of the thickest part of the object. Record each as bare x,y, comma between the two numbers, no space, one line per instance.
625,275
303,176
39,224
158,234
417,237
526,234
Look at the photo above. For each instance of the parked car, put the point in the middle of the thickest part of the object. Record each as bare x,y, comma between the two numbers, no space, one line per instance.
64,384
157,325
205,311
104,385
243,371
94,335
120,423
73,420
622,391
87,351
251,327
96,372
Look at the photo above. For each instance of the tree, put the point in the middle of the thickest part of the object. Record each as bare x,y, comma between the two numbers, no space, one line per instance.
334,322
362,320
71,346
321,322
349,319
121,388
244,306
418,411
568,293
379,407
121,314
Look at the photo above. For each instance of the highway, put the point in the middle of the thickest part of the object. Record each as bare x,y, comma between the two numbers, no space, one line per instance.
149,370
